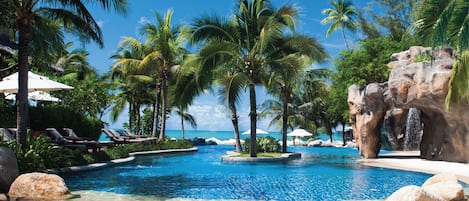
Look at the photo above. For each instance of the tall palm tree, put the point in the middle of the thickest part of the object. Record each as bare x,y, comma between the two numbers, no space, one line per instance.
25,16
299,53
167,54
342,17
241,44
133,84
446,23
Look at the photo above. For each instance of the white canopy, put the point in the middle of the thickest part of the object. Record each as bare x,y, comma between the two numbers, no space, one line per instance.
36,95
36,82
258,131
300,133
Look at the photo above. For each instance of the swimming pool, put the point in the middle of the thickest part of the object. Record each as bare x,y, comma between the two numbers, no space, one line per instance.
322,174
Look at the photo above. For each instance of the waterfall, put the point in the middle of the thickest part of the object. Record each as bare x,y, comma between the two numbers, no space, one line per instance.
413,130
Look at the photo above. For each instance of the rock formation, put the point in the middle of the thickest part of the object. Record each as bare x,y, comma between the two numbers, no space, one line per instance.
39,186
367,110
437,188
421,85
8,169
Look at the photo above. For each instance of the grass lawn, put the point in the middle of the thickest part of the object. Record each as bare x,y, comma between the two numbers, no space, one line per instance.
262,155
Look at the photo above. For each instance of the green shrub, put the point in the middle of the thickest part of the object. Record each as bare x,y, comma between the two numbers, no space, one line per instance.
264,144
54,116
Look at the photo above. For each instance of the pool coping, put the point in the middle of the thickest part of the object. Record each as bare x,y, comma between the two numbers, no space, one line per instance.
131,157
404,161
231,157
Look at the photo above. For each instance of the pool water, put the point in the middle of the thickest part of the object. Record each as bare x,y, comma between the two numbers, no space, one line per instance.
321,174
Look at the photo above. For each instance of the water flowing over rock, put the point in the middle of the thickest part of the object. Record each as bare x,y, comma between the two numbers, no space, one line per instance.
422,86
412,133
8,168
39,186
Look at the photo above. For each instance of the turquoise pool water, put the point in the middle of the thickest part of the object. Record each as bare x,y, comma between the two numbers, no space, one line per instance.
322,174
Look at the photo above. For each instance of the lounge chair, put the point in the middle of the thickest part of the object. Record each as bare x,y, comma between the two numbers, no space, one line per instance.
6,135
73,141
71,134
116,137
127,132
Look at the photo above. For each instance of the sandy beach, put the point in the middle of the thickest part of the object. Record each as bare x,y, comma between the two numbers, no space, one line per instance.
410,161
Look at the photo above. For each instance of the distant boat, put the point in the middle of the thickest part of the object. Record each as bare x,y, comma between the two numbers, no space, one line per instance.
258,131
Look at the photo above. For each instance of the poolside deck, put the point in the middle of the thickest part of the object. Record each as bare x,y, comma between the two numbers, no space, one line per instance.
411,161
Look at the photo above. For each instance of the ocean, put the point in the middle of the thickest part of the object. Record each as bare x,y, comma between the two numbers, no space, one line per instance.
227,135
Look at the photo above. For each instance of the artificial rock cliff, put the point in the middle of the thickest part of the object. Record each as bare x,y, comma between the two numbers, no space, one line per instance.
420,85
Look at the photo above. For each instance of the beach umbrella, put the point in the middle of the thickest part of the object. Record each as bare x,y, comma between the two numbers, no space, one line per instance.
36,82
258,131
299,133
37,96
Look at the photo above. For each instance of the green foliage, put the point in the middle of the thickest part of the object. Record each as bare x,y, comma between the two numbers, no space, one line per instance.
89,96
36,155
362,66
264,144
55,116
424,56
40,154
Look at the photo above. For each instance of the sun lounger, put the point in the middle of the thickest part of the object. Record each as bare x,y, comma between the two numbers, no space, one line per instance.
6,135
114,136
127,132
74,141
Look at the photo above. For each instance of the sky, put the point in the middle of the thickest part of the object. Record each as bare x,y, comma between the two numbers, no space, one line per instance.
209,114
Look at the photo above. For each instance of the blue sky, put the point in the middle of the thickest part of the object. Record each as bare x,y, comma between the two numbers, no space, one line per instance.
208,113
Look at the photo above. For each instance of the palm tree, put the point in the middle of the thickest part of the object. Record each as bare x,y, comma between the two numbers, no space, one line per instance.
166,55
25,16
187,118
241,44
342,17
446,23
229,93
300,51
133,84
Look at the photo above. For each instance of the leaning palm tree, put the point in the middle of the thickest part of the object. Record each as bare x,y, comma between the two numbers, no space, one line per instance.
446,23
25,16
241,43
167,53
342,17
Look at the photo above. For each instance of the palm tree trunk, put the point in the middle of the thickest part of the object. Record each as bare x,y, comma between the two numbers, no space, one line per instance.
253,117
345,40
131,115
137,119
284,124
22,96
182,124
234,121
156,108
163,106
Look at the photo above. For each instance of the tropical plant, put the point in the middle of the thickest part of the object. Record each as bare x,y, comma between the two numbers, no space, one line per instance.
446,23
241,45
166,55
26,18
132,82
301,51
342,16
185,117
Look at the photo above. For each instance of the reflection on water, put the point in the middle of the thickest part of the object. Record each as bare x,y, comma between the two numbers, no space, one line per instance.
322,174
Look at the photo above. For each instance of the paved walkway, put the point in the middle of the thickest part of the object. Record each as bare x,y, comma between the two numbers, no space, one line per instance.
410,161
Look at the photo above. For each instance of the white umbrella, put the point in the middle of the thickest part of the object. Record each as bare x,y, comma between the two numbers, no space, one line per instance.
299,133
258,131
35,83
36,95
